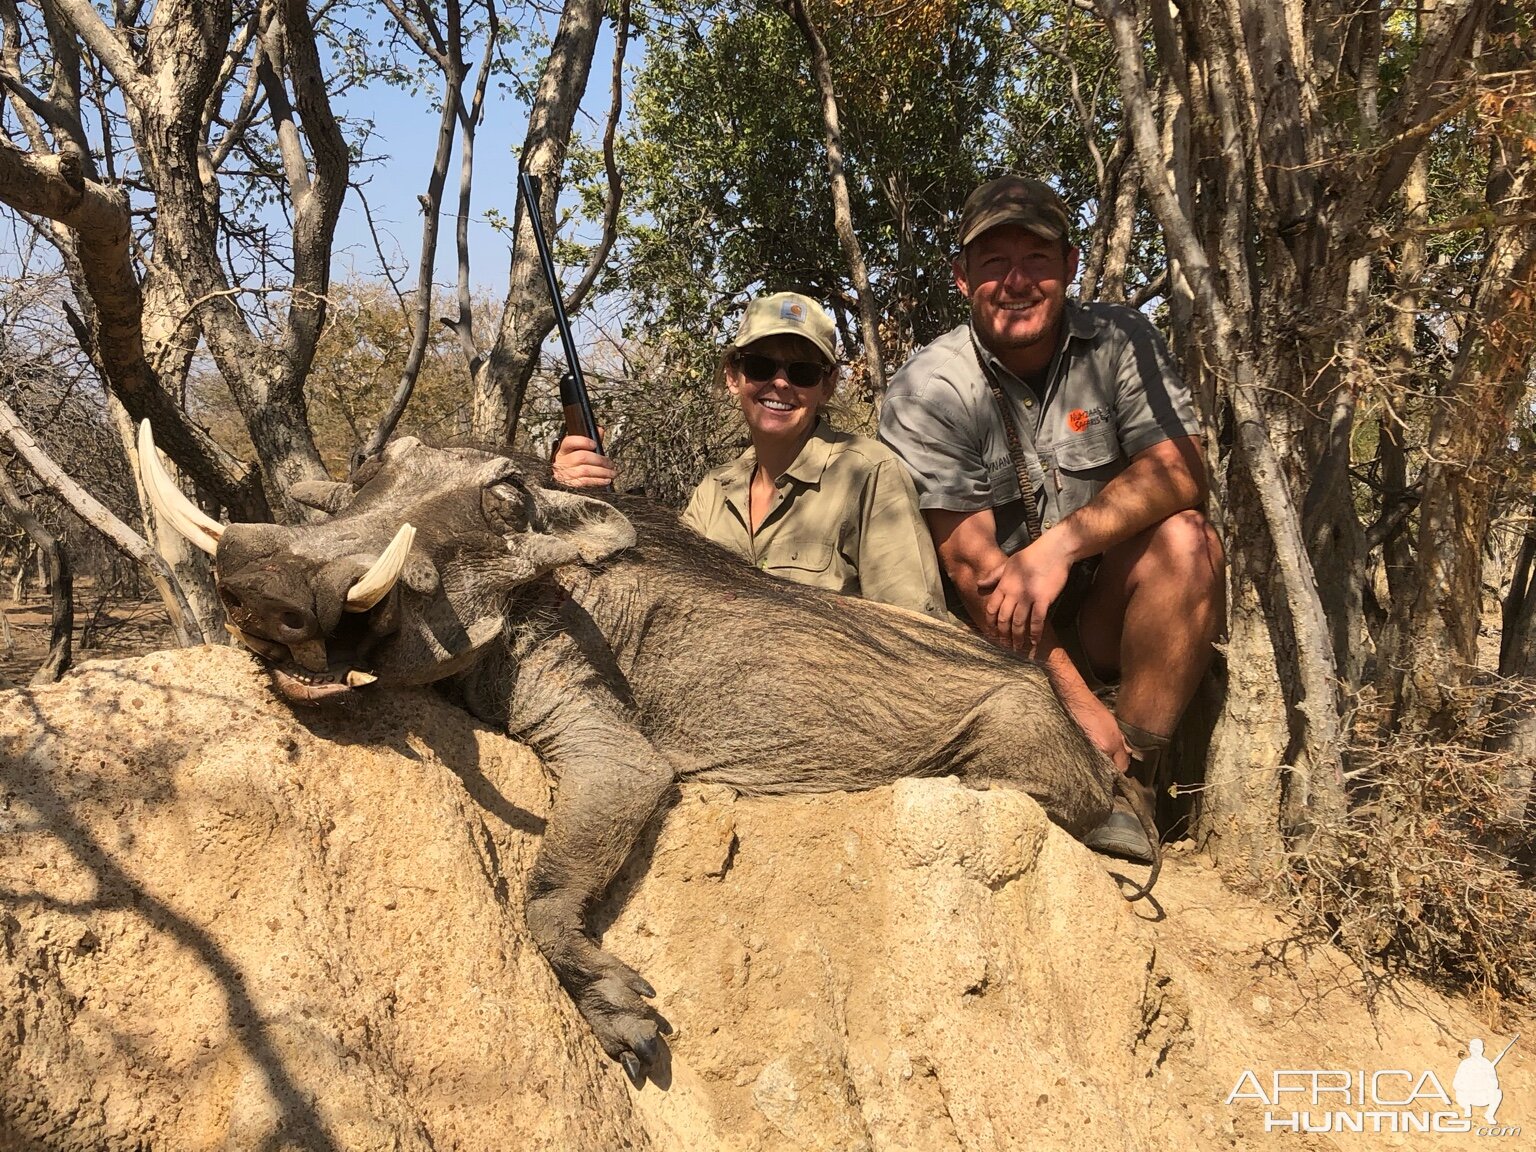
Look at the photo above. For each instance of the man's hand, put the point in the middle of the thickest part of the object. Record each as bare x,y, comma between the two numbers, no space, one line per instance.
1020,592
578,464
1098,724
1091,713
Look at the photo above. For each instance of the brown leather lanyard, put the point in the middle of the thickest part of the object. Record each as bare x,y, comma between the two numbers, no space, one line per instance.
1011,430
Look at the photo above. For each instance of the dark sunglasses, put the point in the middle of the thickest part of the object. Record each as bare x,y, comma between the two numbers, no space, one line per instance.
761,369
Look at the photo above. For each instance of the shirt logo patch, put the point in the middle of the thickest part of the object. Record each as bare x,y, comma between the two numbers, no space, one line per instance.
790,310
1080,420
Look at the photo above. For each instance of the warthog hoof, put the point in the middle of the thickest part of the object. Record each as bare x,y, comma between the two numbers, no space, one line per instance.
628,1028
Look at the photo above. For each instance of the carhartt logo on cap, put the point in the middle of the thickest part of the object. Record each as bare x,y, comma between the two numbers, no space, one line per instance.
792,310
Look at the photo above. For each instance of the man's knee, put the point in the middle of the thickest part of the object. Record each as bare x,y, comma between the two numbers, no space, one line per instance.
1185,548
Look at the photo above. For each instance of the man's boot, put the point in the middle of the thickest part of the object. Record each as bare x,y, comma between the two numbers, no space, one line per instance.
1121,833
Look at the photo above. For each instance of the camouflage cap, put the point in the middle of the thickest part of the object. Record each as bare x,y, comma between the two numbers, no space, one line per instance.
788,313
1033,204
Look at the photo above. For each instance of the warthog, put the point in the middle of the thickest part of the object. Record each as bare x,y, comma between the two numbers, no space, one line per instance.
630,655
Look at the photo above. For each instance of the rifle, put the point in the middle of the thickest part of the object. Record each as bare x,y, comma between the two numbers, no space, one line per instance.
573,385
1507,1047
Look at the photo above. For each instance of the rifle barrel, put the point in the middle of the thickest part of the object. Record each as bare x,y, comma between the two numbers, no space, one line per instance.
530,188
1507,1047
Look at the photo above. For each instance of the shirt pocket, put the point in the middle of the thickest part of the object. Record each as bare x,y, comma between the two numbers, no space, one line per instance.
1086,452
1004,478
809,562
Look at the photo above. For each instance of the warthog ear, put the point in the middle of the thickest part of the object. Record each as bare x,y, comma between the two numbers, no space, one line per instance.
563,528
595,529
328,496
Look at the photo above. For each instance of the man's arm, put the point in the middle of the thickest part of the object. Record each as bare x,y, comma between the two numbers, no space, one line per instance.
1159,481
968,551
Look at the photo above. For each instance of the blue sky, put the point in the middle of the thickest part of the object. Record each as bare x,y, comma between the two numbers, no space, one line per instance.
406,130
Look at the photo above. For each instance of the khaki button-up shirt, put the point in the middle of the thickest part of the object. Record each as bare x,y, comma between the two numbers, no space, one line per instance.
844,518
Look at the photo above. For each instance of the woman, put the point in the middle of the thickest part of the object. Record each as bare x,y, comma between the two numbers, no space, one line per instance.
805,502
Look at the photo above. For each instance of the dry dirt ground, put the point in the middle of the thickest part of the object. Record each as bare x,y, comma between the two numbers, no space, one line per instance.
117,627
923,968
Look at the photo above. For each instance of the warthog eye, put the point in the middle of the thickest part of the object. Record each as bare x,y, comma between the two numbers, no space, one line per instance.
506,505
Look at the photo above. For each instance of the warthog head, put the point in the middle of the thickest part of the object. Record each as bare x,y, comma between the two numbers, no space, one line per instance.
411,578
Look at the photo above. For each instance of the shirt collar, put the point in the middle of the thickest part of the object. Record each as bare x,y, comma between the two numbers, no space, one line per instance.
814,454
807,468
736,481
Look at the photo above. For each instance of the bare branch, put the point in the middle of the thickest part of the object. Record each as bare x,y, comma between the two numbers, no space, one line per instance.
64,93
99,517
289,143
53,186
1427,97
233,58
463,325
610,167
1085,115
316,211
528,317
842,209
431,207
430,46
252,99
105,44
30,108
60,584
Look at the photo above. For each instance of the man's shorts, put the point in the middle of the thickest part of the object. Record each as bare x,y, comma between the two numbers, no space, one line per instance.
1063,617
1079,584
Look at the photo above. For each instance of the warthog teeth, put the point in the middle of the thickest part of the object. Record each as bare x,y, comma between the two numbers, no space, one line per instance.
356,679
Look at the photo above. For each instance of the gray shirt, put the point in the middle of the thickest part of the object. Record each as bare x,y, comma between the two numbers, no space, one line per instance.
1113,393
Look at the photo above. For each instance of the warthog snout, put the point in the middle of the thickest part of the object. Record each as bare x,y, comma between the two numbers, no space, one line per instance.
273,613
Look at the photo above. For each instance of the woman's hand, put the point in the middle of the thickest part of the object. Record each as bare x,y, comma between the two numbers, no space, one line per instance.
578,464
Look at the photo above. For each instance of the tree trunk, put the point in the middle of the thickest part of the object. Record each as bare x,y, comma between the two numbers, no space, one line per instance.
528,317
842,208
1121,230
1468,432
58,188
61,587
1238,815
1314,789
119,535
1335,536
1517,703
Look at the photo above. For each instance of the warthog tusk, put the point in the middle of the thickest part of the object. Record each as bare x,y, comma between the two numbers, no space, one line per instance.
375,583
169,502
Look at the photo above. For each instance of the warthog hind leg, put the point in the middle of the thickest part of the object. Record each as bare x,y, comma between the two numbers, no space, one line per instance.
1013,738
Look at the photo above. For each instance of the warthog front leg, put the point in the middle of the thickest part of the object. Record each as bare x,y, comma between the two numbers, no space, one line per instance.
612,784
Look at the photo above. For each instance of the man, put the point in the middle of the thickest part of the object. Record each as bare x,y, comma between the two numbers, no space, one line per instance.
1110,444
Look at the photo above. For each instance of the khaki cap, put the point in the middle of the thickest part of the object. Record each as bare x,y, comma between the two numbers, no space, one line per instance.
788,313
1032,204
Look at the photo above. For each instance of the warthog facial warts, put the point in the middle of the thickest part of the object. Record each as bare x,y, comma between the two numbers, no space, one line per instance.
630,655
